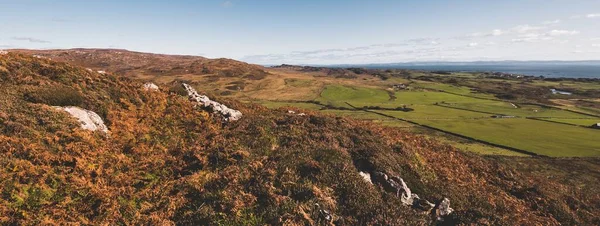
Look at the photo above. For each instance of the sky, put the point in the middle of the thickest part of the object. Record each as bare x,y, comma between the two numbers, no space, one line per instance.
313,31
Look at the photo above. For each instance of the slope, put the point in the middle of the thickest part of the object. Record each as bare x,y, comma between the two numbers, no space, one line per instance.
166,162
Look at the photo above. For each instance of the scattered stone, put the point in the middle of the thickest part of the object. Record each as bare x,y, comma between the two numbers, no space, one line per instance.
3,52
150,86
323,215
387,184
294,113
443,209
366,177
423,204
89,120
102,72
399,187
407,197
228,113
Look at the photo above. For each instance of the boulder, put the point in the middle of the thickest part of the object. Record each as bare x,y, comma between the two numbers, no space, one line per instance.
150,86
89,120
202,100
443,209
366,177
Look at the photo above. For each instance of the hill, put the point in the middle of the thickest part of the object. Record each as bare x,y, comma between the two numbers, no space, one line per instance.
137,64
164,161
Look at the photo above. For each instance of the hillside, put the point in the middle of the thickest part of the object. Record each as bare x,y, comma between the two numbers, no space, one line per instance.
137,64
164,161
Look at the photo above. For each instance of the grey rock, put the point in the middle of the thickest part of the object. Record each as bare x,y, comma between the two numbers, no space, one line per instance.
89,120
150,86
203,101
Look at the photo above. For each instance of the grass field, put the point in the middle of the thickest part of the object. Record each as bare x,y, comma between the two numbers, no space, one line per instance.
462,90
577,122
457,109
337,95
540,137
506,108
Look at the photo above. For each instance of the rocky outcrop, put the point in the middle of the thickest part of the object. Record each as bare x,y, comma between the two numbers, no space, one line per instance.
89,120
443,209
2,52
202,100
397,186
150,86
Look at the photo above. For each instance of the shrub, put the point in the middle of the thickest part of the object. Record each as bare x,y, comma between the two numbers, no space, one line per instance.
56,96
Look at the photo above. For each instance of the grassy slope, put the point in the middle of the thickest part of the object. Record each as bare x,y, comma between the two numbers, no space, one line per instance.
166,162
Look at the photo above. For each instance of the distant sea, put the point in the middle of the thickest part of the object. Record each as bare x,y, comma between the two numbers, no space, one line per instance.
582,69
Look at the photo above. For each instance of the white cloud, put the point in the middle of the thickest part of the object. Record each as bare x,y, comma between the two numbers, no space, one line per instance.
473,44
593,15
526,28
30,39
562,32
227,4
596,45
497,32
551,22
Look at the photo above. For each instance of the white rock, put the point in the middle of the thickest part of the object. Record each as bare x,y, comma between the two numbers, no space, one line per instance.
102,72
228,113
291,112
407,197
3,52
89,120
302,114
443,209
150,86
366,177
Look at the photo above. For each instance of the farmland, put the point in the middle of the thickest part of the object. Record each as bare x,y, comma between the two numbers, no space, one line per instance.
458,114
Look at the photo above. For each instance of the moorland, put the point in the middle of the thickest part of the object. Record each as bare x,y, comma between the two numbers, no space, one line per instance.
505,149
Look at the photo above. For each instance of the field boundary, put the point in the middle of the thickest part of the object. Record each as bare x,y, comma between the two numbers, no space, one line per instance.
452,133
563,123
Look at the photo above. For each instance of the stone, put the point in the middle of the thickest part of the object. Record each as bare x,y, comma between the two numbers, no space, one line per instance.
218,108
422,204
443,209
89,120
407,197
366,177
3,52
150,86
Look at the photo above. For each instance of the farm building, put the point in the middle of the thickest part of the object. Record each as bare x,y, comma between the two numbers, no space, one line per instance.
596,126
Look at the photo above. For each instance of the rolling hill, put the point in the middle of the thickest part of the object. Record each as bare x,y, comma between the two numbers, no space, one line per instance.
165,161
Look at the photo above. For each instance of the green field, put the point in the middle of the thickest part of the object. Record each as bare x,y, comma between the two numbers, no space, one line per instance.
506,108
468,114
462,90
544,138
337,95
577,122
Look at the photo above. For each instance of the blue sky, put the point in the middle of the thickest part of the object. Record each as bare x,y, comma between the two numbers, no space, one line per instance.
311,31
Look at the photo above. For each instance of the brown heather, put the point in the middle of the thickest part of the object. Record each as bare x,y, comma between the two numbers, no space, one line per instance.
165,162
